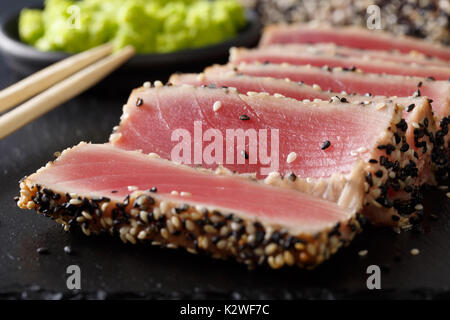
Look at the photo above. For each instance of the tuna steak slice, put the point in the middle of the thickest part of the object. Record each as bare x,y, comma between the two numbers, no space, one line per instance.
281,136
106,189
417,111
395,56
352,37
339,80
279,54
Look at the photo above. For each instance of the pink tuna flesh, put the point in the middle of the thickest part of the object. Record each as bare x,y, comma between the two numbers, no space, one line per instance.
332,49
101,170
300,57
353,37
300,127
352,82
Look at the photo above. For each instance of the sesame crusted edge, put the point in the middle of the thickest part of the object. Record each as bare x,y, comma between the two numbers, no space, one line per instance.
141,217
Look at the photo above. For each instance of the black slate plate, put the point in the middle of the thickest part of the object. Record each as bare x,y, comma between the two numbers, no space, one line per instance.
122,270
25,59
112,269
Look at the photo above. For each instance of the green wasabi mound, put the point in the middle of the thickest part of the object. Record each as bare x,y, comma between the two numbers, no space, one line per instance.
151,26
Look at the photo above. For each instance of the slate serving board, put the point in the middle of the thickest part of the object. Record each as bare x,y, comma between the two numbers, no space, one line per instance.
111,269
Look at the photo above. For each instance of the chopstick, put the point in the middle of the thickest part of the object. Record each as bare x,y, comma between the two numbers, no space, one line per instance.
44,79
62,91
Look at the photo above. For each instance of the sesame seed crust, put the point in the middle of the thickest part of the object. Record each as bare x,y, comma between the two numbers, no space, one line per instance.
142,216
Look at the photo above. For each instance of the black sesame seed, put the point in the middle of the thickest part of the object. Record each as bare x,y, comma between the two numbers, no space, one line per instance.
395,217
325,144
419,84
397,138
42,250
404,147
343,100
139,102
431,78
244,154
114,191
373,161
410,107
379,173
244,117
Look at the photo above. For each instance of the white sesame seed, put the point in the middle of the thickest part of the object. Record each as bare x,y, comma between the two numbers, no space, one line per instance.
164,233
147,84
415,251
209,229
174,193
335,99
132,188
415,125
75,202
158,84
217,105
190,225
252,93
418,207
142,235
311,249
115,137
153,155
289,258
201,77
185,194
157,211
86,215
380,106
363,253
316,87
448,194
144,216
291,157
130,238
278,95
362,149
271,248
176,222
221,244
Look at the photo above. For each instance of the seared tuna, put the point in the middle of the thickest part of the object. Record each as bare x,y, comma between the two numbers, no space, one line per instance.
349,80
392,55
417,111
353,37
142,198
281,54
277,138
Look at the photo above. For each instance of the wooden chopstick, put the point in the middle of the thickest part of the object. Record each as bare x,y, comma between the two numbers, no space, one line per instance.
62,91
44,79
